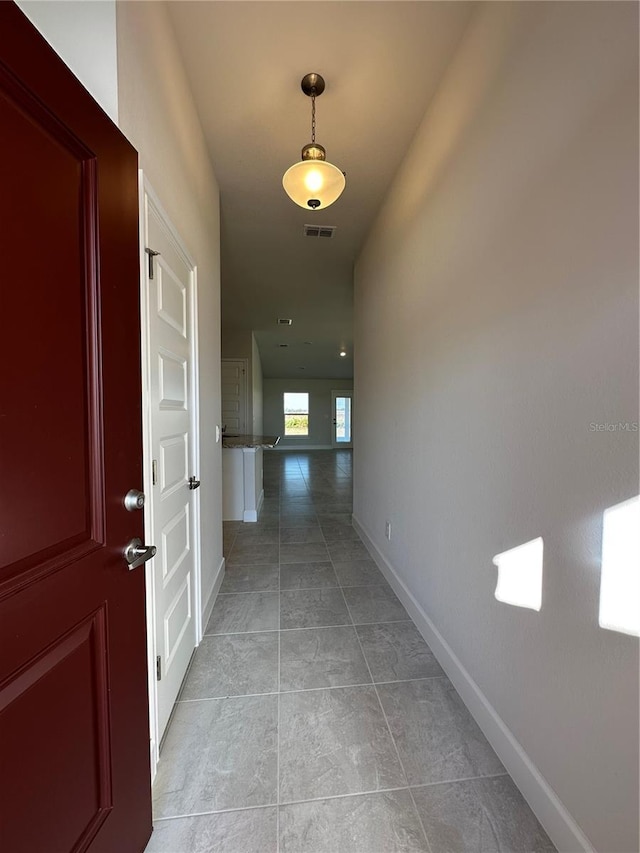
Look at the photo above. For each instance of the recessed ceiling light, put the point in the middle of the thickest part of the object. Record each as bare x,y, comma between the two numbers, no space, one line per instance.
284,321
343,353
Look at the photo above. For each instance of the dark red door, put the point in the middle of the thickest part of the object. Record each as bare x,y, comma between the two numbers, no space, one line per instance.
74,748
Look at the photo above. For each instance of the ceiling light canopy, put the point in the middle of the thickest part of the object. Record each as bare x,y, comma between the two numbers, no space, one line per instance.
313,183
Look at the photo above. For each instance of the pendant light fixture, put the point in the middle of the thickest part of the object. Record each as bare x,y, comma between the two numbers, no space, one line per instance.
313,183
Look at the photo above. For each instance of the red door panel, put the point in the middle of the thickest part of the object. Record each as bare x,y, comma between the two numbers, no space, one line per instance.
68,680
74,738
51,185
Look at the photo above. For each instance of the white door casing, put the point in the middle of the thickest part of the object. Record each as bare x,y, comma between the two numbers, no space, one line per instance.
234,395
171,440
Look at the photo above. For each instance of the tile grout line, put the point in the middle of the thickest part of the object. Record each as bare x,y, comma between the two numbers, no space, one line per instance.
311,627
393,741
369,793
214,812
461,779
311,689
310,588
395,746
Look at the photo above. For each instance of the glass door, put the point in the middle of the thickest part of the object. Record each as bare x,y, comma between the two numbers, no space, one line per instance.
342,414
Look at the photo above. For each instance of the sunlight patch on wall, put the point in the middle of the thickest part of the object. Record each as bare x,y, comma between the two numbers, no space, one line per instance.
520,575
620,578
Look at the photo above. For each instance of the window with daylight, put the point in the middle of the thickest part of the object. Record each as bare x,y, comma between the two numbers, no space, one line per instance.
296,414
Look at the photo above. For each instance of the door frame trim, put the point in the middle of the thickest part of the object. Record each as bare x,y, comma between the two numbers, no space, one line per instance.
148,195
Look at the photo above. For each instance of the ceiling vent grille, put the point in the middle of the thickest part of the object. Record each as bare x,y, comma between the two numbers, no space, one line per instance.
284,322
319,231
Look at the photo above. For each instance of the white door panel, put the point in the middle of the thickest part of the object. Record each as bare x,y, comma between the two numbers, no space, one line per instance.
172,426
234,395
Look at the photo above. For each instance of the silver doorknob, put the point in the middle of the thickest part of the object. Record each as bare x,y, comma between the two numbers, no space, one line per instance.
193,483
133,500
136,553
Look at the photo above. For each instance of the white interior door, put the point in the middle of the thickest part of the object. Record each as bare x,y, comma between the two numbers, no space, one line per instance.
234,395
342,417
172,503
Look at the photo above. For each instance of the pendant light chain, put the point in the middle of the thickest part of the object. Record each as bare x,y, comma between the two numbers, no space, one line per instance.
313,117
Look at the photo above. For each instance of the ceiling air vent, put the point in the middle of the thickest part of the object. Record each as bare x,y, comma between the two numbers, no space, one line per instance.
319,230
284,322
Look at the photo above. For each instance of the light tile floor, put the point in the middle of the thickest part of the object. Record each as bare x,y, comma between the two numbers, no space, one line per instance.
314,718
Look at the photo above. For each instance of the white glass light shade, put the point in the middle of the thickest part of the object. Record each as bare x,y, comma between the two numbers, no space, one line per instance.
311,181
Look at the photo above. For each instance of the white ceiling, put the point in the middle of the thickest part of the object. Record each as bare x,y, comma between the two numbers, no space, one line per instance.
381,62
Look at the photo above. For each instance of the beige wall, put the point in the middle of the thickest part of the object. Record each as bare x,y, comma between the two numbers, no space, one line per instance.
320,415
84,36
158,115
496,310
236,343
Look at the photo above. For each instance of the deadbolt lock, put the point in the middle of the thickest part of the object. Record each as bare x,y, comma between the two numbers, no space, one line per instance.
133,500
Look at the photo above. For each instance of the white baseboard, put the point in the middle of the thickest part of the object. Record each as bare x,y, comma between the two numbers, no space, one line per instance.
545,803
211,598
252,514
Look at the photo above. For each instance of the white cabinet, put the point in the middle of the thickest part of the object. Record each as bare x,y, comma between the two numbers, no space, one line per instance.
242,491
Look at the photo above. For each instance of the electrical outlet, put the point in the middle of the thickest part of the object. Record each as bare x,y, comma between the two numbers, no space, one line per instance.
387,530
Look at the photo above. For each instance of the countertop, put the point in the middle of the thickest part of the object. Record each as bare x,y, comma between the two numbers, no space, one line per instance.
231,442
